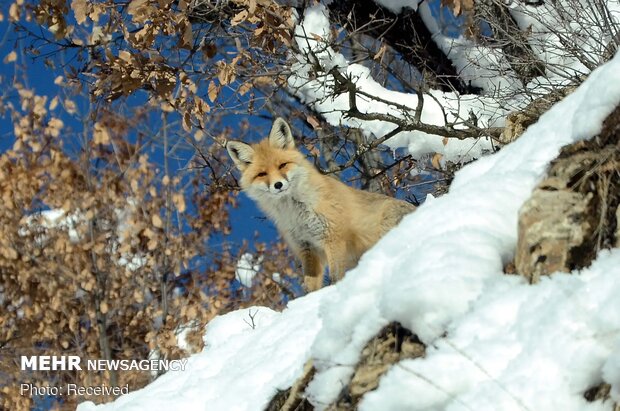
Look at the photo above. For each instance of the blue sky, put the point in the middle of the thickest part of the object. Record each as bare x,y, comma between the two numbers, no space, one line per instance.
245,220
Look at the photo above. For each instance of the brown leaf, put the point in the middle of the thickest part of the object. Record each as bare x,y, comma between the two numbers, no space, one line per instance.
239,18
125,56
9,253
156,220
99,248
213,91
70,106
436,161
187,124
380,53
179,202
79,9
134,186
226,73
245,87
98,9
252,7
459,6
11,57
101,134
136,6
151,245
209,49
89,285
14,12
187,38
166,107
54,103
316,124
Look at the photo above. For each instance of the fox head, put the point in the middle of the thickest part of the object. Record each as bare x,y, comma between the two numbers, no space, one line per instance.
272,167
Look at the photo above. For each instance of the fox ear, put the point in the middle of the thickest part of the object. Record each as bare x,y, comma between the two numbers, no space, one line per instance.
280,135
240,153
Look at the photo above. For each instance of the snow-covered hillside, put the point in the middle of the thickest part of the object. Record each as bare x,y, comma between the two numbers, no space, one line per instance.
493,341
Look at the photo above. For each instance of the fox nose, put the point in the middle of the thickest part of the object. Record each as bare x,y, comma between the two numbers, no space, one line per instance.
278,185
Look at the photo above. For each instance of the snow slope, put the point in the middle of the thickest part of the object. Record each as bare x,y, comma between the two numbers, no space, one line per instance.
494,342
249,354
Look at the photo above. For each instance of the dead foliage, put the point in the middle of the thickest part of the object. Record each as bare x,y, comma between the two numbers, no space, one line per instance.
104,255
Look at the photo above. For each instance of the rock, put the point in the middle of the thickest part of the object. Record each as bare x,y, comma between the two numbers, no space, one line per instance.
517,122
573,213
394,343
553,226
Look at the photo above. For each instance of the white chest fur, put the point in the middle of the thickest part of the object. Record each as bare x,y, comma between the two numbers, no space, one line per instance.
293,212
297,220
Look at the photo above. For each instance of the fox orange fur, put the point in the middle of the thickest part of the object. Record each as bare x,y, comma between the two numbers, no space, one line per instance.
324,221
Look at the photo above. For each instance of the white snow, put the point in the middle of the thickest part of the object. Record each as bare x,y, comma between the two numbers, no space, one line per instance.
569,37
438,107
494,342
520,347
568,34
247,268
432,271
52,219
74,224
484,67
249,355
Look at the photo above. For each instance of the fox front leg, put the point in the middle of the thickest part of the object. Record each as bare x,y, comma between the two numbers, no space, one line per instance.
312,268
337,259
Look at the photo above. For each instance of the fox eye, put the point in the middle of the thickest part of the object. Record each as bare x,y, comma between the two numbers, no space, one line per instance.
282,166
261,174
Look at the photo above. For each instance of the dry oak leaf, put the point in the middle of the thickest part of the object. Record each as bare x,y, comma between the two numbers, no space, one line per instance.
213,91
156,220
458,6
79,9
11,57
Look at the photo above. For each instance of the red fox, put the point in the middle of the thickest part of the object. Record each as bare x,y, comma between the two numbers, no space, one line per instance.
324,221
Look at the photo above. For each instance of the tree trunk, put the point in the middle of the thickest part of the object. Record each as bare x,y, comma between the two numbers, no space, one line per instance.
407,34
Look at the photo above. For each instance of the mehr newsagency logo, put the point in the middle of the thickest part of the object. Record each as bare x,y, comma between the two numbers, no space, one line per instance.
75,363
